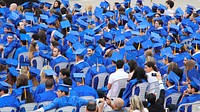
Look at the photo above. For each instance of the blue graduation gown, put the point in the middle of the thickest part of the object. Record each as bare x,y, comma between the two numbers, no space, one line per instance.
92,72
85,90
111,69
9,48
189,99
46,96
170,91
66,101
78,68
57,60
128,91
20,50
41,88
9,101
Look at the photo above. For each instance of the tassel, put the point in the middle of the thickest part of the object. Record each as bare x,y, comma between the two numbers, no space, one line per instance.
196,47
83,80
140,31
28,75
138,46
25,93
10,90
174,50
119,44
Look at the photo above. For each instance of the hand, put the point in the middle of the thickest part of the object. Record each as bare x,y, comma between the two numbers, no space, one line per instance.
108,101
185,92
158,76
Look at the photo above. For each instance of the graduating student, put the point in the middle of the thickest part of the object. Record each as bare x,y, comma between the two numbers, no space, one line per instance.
64,100
7,99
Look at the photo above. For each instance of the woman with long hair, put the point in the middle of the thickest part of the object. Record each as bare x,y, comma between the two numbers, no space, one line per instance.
151,71
136,105
33,50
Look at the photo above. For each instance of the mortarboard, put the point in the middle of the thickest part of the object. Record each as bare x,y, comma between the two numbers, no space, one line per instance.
42,26
175,46
166,51
107,35
89,32
74,27
25,37
97,28
65,24
77,45
35,5
177,16
52,19
129,48
104,4
127,34
119,38
75,33
162,7
188,30
157,46
82,23
131,25
116,56
34,71
63,87
13,71
50,72
195,83
12,62
57,35
71,38
135,33
150,15
98,12
123,17
80,52
25,5
79,77
47,4
198,11
179,11
65,3
130,55
8,26
147,44
88,38
190,7
43,17
193,73
155,6
4,85
76,5
3,61
109,14
172,77
113,22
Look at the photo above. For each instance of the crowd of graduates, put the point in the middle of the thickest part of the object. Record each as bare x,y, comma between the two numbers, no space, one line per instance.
134,42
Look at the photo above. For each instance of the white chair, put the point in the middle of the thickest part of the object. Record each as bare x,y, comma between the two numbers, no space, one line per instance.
11,54
28,106
84,70
195,106
143,87
39,62
174,97
42,104
121,84
71,65
8,109
154,88
88,97
82,109
24,55
101,80
61,65
67,109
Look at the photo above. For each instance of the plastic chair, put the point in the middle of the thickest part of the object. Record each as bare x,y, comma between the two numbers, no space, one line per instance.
154,88
42,104
8,109
67,109
39,62
84,70
101,80
28,107
121,84
174,97
61,65
11,54
88,97
82,109
143,88
195,106
22,56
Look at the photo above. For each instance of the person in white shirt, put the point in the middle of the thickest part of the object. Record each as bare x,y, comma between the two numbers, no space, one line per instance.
170,5
119,74
150,70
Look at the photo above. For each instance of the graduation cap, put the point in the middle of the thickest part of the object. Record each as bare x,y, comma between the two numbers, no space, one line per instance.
25,37
4,85
179,11
119,38
80,52
13,71
35,5
79,77
193,73
34,71
52,19
188,30
166,51
196,44
74,27
107,35
43,17
198,11
109,14
130,55
155,6
82,23
178,16
113,22
71,38
150,15
190,7
129,48
104,4
89,32
75,33
58,35
195,83
76,5
162,7
12,62
63,87
47,4
172,77
50,72
175,46
98,12
131,25
116,56
123,17
147,44
65,24
42,26
88,38
8,26
25,5
77,45
65,3
97,28
158,46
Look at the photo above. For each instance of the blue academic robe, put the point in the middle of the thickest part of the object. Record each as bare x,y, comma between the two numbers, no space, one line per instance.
9,101
189,99
8,48
111,68
78,68
46,96
170,91
128,91
85,90
57,60
66,101
41,88
20,50
92,72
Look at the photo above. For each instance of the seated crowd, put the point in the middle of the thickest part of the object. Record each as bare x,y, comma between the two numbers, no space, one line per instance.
123,58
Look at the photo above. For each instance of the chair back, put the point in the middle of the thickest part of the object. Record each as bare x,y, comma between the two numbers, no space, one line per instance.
8,109
174,97
101,80
195,106
39,62
121,83
11,54
82,109
22,58
143,88
28,107
88,97
67,108
61,65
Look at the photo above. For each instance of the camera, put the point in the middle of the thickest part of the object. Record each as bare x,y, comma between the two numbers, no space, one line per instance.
153,74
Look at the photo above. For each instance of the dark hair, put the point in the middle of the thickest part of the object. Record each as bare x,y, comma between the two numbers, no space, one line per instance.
29,97
132,64
119,64
160,22
196,89
23,31
55,43
35,36
65,72
170,3
24,42
91,106
22,80
2,3
151,64
67,81
42,36
59,3
5,91
178,72
63,10
139,74
102,42
49,83
151,98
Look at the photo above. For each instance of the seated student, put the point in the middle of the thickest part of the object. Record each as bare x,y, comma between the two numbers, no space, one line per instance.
6,99
138,77
26,96
65,73
68,81
191,94
82,89
92,107
49,94
64,100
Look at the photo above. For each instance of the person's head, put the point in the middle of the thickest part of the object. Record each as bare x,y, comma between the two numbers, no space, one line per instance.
64,72
192,89
118,104
91,107
149,66
178,72
33,47
90,51
56,51
151,59
139,74
189,64
35,36
20,25
13,7
62,91
3,91
42,74
102,42
67,81
42,36
49,84
22,80
57,4
79,57
148,52
151,98
54,44
2,3
169,4
136,103
120,64
171,66
158,23
132,64
10,38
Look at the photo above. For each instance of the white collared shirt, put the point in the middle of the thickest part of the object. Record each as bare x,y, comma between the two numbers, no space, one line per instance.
5,95
79,62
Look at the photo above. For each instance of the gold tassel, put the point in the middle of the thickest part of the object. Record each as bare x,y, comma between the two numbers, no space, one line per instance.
138,46
174,50
140,31
167,60
119,44
25,93
28,75
178,86
190,52
10,90
196,47
83,80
